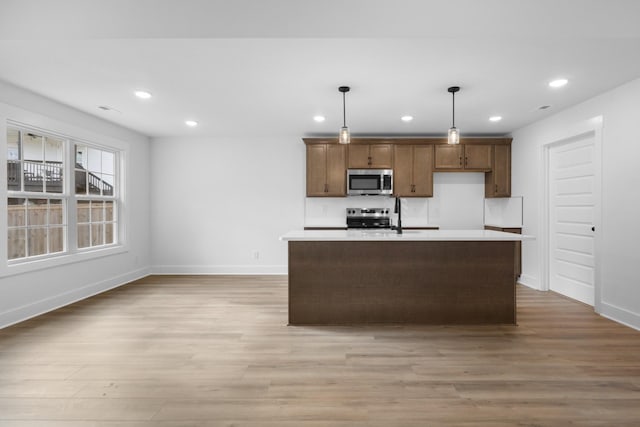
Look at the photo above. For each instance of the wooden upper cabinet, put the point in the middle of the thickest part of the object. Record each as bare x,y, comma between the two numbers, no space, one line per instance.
370,156
477,157
403,170
381,156
316,170
423,171
326,170
472,158
449,156
413,171
358,156
336,170
497,182
413,161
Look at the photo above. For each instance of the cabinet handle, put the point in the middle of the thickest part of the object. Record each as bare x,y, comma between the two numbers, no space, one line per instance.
466,161
326,188
369,162
413,188
460,160
496,188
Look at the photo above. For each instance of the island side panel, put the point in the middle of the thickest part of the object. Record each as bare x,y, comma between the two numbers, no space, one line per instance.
422,282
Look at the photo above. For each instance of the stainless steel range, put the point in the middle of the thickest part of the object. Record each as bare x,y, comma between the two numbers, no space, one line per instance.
368,218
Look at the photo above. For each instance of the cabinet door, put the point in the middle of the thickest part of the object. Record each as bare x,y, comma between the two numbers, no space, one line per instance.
402,171
336,172
501,171
316,170
448,156
380,156
358,156
423,171
477,157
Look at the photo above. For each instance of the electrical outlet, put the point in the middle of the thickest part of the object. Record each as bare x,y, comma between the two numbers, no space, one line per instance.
255,254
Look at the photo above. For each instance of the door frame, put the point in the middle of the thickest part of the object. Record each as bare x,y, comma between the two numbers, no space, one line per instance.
593,128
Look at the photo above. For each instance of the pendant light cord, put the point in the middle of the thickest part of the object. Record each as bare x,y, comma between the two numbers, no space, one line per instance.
453,112
344,110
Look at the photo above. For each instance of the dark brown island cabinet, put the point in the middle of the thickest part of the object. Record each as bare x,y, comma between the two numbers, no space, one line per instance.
515,230
421,277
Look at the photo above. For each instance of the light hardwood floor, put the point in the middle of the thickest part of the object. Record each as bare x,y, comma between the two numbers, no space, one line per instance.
216,351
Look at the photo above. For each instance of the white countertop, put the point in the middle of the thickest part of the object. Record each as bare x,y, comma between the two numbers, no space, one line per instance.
407,235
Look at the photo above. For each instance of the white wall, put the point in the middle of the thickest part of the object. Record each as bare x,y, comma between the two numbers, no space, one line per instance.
458,200
27,294
619,231
503,211
216,202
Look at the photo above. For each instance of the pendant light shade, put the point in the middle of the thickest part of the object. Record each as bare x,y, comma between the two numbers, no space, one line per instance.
344,136
454,136
454,133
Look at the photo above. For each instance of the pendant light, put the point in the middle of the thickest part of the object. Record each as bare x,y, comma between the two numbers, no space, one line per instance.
345,135
454,133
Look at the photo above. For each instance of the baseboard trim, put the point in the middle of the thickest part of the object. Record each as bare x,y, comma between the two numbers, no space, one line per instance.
620,315
37,308
530,281
220,269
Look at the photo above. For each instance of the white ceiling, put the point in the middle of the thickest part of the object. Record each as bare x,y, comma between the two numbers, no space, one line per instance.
265,68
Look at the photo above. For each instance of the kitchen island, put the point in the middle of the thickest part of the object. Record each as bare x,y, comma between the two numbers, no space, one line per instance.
348,277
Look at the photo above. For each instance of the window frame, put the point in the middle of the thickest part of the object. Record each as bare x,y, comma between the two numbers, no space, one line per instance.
71,252
98,197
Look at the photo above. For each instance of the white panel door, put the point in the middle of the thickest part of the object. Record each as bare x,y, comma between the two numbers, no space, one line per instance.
571,219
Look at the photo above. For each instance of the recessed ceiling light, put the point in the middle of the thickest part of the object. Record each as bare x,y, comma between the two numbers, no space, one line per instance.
406,119
142,94
558,83
319,119
191,123
495,118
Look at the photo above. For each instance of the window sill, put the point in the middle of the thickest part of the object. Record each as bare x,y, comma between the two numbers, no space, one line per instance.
20,267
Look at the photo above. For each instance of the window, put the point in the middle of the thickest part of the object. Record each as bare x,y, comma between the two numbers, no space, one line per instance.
95,194
36,218
34,162
42,185
36,227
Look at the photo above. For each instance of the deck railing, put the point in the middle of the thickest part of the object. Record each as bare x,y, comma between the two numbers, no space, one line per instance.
35,174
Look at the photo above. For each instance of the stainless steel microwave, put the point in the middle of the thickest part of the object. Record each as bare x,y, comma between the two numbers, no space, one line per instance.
369,182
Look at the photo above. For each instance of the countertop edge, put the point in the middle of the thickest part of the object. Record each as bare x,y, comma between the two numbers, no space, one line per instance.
412,235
